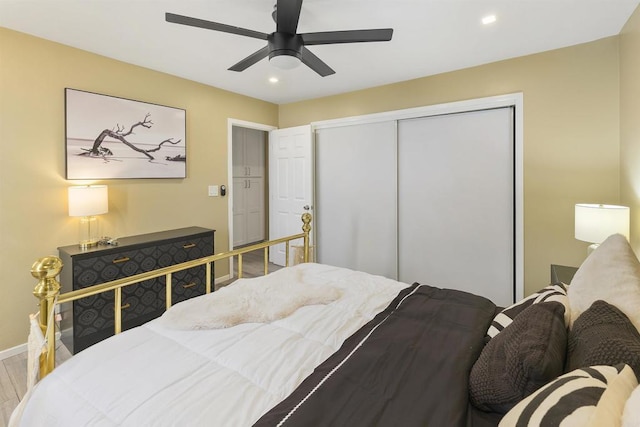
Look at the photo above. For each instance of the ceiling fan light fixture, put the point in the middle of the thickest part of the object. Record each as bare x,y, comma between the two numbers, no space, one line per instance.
284,60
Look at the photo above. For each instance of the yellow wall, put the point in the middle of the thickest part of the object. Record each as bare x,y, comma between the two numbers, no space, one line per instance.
571,134
630,122
33,191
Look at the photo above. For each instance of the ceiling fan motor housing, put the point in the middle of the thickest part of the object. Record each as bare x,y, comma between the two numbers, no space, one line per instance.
285,44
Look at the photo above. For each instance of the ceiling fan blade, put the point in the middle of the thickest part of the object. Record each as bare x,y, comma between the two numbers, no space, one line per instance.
315,63
209,25
287,16
349,36
251,59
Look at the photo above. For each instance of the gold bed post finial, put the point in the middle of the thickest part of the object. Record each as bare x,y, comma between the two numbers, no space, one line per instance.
48,288
306,228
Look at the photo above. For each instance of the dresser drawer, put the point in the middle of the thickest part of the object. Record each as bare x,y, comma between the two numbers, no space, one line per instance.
188,284
113,266
184,250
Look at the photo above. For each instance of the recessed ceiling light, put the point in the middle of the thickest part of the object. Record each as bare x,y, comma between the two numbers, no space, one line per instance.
273,80
489,19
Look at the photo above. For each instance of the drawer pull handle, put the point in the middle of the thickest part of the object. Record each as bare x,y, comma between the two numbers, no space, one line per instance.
189,285
123,259
188,245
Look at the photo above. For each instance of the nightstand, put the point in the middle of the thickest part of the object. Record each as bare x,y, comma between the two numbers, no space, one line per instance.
562,273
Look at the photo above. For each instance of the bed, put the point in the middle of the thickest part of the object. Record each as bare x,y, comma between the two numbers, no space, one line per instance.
346,348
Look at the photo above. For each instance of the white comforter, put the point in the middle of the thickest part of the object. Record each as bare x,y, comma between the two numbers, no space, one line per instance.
152,375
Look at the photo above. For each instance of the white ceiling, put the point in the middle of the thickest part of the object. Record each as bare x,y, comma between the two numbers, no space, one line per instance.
430,36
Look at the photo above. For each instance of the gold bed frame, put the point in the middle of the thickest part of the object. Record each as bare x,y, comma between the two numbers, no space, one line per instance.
48,288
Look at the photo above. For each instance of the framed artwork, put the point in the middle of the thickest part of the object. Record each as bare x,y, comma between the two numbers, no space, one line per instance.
110,138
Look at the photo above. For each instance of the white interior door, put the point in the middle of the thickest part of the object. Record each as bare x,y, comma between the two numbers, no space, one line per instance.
290,184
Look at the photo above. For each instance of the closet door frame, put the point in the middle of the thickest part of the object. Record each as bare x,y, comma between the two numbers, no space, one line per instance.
515,100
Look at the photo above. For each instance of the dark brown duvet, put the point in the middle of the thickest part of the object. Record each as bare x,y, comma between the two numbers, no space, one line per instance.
409,366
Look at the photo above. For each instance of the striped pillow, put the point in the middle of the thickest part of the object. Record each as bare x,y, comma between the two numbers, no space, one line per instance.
588,397
556,292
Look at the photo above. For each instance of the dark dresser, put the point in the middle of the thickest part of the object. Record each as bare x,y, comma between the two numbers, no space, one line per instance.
90,320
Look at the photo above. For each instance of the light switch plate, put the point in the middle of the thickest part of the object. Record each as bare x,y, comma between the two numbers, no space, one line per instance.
213,191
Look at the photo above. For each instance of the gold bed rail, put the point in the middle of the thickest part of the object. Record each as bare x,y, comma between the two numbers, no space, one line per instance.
48,288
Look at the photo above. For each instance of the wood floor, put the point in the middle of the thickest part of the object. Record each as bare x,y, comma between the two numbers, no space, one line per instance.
252,266
13,384
13,370
13,380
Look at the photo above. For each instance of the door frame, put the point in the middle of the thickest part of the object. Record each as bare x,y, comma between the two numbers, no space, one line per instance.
250,125
515,100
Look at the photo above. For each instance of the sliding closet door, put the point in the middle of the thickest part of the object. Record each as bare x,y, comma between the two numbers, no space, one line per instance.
356,210
456,202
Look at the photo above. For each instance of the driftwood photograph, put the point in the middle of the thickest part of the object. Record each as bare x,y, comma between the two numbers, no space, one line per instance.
109,137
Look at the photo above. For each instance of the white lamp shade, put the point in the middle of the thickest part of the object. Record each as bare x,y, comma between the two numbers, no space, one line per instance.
594,223
88,200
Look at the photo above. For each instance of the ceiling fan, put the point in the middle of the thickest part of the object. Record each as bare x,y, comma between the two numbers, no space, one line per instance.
285,47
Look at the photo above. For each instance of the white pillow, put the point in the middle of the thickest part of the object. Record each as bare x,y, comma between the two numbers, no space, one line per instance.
611,273
611,405
631,415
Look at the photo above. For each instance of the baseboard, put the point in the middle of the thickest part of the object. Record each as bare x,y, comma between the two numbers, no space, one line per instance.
21,348
221,279
10,352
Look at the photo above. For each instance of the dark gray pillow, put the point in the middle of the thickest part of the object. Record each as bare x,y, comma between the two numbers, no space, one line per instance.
603,335
526,355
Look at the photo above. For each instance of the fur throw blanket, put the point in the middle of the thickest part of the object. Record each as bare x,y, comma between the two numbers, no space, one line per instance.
258,300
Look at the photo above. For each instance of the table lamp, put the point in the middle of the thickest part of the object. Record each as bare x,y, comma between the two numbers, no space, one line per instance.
594,223
86,202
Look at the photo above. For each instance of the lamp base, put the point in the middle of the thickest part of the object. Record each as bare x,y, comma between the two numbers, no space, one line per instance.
89,235
88,244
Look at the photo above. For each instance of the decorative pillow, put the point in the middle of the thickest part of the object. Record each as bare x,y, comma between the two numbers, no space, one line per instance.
521,359
612,274
631,414
603,335
588,397
556,292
